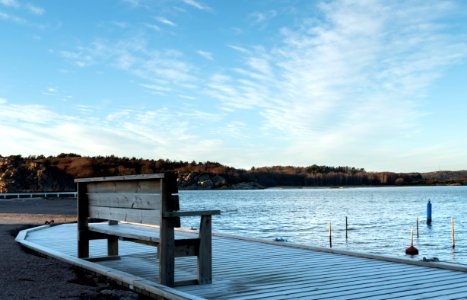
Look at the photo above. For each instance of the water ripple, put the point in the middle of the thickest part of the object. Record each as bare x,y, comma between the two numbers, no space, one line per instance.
379,219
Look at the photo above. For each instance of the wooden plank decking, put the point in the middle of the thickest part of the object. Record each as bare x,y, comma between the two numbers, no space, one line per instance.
250,269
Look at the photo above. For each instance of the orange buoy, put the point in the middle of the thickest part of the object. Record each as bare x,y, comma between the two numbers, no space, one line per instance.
411,250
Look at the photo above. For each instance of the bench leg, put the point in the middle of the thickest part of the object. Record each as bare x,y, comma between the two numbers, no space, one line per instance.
83,244
112,242
205,251
112,246
166,253
83,214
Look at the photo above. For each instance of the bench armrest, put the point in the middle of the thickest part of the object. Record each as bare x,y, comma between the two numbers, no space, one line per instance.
191,213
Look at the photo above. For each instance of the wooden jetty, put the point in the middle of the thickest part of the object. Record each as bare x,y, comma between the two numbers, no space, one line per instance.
246,268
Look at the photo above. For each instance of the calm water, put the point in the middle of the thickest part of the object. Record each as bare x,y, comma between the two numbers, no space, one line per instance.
379,218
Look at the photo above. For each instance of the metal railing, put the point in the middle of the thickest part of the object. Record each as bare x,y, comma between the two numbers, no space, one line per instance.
38,195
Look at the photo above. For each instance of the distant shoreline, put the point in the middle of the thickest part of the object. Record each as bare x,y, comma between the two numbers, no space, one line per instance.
320,187
256,187
57,173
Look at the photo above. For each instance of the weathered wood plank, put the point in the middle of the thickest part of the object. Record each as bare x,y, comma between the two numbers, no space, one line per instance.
130,215
185,245
426,290
122,178
278,281
290,262
277,286
191,213
136,186
357,290
125,231
135,230
451,267
125,200
458,293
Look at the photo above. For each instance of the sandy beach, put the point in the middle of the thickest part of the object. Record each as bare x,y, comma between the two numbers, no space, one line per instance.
27,275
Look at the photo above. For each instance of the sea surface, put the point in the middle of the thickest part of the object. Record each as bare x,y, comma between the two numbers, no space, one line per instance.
379,218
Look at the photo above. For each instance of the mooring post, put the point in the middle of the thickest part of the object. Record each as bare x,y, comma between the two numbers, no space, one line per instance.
346,228
330,235
428,213
452,233
417,229
411,250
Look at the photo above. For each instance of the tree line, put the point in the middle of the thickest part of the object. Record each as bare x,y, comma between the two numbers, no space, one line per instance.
58,173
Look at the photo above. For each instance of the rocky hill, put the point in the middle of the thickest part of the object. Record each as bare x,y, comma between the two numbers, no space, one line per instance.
25,175
39,173
57,173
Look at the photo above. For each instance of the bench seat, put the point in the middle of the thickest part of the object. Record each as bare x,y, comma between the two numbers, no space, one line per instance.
140,232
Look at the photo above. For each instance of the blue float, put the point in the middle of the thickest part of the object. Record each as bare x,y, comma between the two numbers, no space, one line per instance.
428,213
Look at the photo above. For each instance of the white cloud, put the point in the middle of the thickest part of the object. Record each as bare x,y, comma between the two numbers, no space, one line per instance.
27,114
238,48
13,18
153,27
158,89
113,116
152,133
263,17
162,70
351,79
355,75
195,114
237,31
84,56
132,3
165,21
261,66
205,54
36,10
15,4
197,4
86,109
50,91
235,129
119,24
9,3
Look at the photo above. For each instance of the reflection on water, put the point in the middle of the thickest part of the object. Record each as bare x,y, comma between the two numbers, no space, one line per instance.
379,218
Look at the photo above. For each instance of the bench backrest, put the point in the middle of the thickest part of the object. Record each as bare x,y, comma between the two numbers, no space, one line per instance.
136,198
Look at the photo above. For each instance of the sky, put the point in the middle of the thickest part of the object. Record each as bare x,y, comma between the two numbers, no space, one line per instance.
380,85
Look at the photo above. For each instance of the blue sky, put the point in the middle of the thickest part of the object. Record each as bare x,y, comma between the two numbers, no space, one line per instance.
374,84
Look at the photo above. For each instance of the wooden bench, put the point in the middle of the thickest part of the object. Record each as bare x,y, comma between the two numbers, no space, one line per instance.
144,199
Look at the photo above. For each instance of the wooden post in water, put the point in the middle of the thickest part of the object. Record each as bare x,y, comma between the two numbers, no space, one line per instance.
346,228
452,233
330,235
417,229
